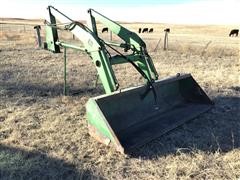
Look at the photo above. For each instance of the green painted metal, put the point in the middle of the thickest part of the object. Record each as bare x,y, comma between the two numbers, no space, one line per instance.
93,113
126,35
92,45
131,39
65,71
129,120
66,45
52,34
132,117
96,49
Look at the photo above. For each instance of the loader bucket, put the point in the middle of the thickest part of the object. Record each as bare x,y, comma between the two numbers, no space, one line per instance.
126,119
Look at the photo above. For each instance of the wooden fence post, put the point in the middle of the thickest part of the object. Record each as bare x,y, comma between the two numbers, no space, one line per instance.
165,46
38,35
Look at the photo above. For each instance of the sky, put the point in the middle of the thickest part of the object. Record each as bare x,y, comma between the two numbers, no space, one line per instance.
159,11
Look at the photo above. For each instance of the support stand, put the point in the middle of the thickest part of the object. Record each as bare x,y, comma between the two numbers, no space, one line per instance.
65,72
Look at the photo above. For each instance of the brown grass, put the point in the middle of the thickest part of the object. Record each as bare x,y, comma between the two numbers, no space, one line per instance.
43,135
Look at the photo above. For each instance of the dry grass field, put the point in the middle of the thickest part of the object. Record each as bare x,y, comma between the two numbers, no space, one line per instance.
43,134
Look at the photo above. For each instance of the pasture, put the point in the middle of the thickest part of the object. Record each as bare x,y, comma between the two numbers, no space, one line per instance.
43,134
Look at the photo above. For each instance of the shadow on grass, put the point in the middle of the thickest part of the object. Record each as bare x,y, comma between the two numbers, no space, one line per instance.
216,130
20,164
51,91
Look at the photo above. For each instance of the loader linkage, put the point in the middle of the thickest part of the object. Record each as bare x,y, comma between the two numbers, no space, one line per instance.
134,116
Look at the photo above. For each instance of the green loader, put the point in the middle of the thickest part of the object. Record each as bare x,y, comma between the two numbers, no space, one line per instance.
127,118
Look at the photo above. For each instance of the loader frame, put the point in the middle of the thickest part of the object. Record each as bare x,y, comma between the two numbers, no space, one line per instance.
132,117
96,48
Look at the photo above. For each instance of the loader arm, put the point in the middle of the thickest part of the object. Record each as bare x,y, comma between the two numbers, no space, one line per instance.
132,40
91,44
96,47
128,118
129,37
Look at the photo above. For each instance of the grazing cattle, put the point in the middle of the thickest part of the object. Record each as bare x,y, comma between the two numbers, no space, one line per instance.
167,30
150,30
105,30
139,30
145,30
234,32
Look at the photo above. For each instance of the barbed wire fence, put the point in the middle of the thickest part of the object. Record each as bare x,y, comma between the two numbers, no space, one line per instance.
13,35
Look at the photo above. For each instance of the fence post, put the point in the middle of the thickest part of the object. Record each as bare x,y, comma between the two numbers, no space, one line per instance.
165,46
165,41
39,41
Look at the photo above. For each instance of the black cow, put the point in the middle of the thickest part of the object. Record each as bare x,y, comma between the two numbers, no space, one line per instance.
150,30
145,30
167,30
105,30
234,32
139,30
